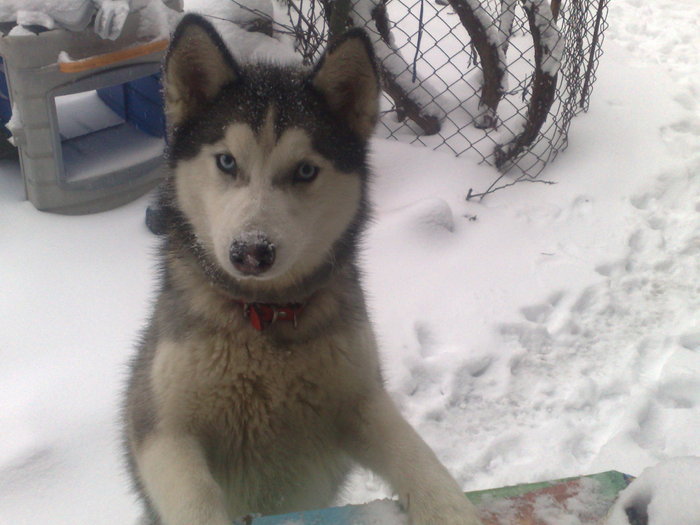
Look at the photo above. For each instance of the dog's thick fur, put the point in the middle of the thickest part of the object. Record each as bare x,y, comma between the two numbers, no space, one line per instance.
223,420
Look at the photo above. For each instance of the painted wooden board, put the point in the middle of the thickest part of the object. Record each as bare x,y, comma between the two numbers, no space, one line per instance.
581,501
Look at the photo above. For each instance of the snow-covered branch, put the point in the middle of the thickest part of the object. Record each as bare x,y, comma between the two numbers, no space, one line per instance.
487,41
413,98
549,45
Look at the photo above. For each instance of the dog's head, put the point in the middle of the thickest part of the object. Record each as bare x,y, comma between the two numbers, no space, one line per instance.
269,163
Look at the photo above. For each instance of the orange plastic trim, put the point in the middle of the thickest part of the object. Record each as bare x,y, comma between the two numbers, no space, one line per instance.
111,58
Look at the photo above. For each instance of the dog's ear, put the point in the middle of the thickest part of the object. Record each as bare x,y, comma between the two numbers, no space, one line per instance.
347,78
197,66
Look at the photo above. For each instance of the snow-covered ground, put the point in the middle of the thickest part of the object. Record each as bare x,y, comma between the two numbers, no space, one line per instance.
545,332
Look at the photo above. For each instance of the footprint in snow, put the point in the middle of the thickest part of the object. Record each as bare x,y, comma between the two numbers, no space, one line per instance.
582,207
680,393
540,313
641,202
690,341
610,269
425,338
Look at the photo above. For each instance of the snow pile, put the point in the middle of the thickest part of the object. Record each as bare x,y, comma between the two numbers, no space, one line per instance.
666,494
76,15
232,19
156,19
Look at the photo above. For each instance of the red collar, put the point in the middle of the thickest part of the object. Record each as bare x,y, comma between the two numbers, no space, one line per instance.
262,315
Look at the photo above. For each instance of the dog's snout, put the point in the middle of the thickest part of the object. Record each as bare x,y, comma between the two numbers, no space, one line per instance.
252,255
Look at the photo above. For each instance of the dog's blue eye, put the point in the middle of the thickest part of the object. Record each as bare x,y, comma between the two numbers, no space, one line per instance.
226,163
305,172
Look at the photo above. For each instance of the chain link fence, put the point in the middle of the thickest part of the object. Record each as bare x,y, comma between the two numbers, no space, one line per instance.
497,80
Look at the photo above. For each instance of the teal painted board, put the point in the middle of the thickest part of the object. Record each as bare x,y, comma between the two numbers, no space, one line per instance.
380,512
590,497
313,517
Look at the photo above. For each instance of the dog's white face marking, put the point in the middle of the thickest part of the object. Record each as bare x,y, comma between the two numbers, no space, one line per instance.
301,219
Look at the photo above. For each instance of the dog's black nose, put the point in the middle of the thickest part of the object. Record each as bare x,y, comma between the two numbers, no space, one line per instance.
253,255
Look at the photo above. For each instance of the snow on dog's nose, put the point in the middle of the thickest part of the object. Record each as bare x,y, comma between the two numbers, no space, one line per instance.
252,253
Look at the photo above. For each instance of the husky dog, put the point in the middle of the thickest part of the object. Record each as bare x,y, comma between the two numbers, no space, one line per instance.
257,383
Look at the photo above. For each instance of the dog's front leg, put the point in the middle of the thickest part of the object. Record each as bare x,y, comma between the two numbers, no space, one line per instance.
382,440
178,482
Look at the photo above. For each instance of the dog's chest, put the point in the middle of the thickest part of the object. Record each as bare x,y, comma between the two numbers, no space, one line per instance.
243,394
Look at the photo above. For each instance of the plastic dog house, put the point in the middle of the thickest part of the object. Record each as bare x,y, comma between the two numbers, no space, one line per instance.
85,170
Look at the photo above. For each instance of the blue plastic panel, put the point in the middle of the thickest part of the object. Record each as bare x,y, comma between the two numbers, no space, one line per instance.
138,102
5,106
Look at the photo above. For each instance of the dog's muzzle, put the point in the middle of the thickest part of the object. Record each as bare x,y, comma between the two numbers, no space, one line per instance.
252,254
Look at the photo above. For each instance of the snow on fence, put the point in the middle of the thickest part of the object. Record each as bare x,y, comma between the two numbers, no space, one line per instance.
496,79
